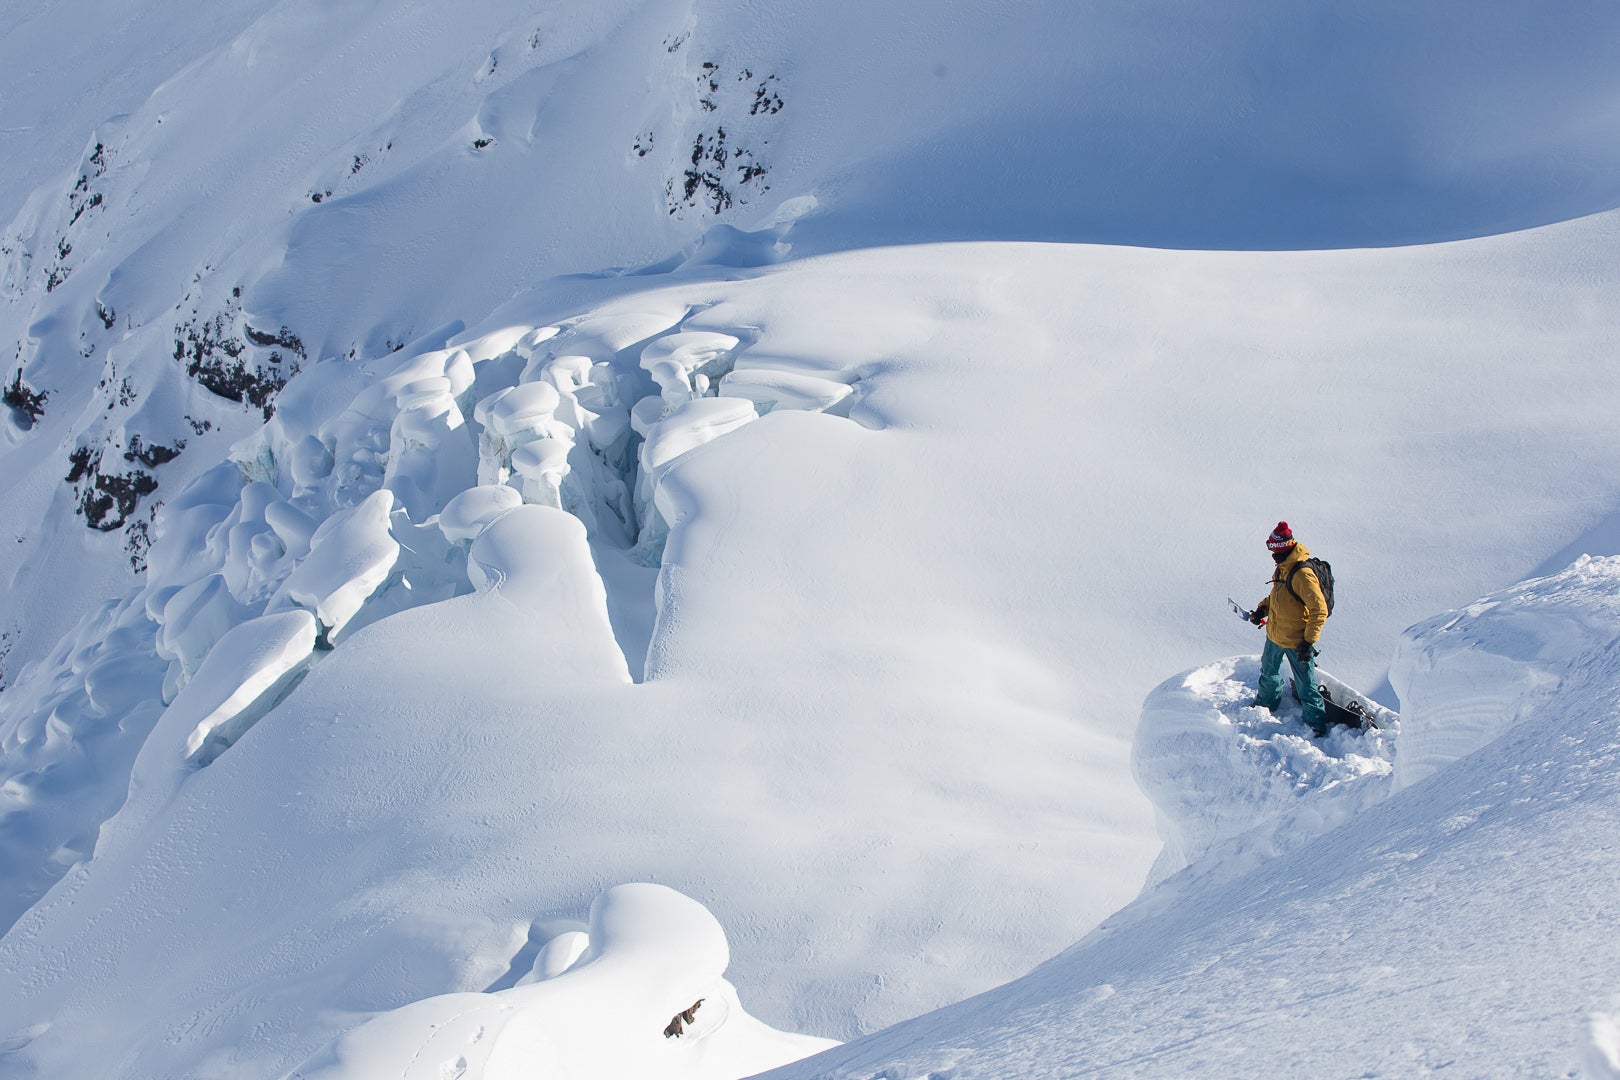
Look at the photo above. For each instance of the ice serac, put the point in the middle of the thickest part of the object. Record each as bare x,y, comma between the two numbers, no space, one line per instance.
431,454
469,513
350,556
193,618
650,955
537,558
242,678
784,389
684,364
669,434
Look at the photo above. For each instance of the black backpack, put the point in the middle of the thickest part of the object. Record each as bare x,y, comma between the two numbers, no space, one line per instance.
1324,578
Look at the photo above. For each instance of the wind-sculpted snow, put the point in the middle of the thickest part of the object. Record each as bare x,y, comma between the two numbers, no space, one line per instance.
1222,772
1467,677
637,992
837,687
245,675
1464,925
426,165
69,746
826,589
338,513
1603,1052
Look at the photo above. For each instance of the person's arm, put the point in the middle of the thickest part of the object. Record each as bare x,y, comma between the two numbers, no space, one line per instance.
1310,594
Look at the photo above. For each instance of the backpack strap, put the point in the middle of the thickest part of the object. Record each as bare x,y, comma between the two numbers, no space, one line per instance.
1288,582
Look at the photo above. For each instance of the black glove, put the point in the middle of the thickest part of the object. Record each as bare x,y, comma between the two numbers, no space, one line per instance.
1306,652
1258,615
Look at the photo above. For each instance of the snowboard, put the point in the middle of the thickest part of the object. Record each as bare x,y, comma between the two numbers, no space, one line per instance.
1345,707
1348,708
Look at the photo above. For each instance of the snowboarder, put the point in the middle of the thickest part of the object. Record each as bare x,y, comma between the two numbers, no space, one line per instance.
1293,616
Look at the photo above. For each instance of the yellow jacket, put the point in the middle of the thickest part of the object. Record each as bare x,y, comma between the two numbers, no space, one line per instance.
1290,621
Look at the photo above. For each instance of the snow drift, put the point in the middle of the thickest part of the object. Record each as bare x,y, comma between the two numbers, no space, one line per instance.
1461,924
603,999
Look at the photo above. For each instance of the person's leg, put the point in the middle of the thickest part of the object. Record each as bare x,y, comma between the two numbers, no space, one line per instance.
1310,696
1270,695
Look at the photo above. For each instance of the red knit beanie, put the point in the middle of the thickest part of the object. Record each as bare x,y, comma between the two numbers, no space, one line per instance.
1281,538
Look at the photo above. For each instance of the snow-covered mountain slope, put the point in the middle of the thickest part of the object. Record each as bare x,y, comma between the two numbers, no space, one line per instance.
195,204
885,742
420,573
1465,925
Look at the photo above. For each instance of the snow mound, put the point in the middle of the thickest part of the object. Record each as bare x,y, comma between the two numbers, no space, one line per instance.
640,992
472,511
538,557
1468,676
1603,1052
1218,768
784,389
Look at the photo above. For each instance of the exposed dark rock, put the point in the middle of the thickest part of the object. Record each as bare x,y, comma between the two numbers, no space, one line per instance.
79,210
106,500
80,462
26,402
284,338
724,169
154,455
227,365
138,538
678,1023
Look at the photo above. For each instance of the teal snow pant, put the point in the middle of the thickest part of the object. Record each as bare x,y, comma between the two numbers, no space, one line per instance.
1271,684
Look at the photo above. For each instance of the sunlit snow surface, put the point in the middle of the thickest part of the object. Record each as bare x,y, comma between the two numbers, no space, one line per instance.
606,538
600,1001
1217,767
1465,924
771,657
